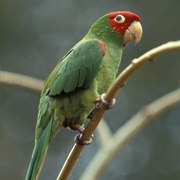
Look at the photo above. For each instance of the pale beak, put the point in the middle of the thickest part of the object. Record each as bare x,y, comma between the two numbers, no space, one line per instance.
133,33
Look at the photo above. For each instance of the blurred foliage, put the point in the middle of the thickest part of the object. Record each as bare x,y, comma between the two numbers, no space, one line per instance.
34,35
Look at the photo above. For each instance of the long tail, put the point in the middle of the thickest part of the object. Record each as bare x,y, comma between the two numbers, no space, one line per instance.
39,153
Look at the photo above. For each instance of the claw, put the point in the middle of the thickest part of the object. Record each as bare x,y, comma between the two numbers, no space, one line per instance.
80,142
77,127
108,105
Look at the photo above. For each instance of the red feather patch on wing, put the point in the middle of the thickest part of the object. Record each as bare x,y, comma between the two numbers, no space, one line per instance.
103,48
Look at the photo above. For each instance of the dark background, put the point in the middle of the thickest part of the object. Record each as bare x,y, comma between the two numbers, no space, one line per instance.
34,35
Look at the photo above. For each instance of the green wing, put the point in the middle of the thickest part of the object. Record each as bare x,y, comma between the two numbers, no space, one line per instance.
77,69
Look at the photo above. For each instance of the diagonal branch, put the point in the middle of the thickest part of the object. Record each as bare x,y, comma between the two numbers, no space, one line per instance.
92,125
127,132
36,86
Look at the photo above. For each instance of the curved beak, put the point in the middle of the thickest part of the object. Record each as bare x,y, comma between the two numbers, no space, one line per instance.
133,33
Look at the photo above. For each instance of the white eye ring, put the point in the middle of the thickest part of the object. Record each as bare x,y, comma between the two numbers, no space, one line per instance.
119,18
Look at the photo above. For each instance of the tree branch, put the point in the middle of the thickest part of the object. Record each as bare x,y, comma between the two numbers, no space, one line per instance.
137,63
36,86
21,81
127,132
92,125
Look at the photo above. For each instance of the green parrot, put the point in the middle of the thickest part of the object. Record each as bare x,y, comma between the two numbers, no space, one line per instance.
79,78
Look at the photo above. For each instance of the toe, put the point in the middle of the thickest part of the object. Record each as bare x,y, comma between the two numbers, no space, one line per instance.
80,142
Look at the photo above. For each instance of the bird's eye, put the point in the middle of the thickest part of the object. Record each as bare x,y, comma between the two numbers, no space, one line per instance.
119,18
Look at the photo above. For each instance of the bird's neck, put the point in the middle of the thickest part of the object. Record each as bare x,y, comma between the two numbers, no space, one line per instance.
111,62
102,31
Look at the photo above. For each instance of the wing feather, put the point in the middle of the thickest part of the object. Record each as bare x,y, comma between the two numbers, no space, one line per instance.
77,69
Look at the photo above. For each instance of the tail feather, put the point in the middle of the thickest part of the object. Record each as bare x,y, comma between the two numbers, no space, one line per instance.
39,153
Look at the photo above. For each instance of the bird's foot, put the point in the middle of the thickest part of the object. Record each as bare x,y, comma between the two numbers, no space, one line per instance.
80,129
77,127
108,105
78,140
100,99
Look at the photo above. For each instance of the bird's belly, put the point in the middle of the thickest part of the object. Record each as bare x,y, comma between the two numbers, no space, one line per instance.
73,108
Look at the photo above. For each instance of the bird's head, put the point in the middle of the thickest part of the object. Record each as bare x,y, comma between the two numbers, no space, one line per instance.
120,26
127,25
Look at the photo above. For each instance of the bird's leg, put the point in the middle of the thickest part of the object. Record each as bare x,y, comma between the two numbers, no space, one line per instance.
77,127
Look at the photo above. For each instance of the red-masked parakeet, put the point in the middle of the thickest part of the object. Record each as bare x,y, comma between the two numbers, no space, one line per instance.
79,78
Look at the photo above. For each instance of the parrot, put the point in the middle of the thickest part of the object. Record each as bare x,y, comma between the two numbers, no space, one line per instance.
79,79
